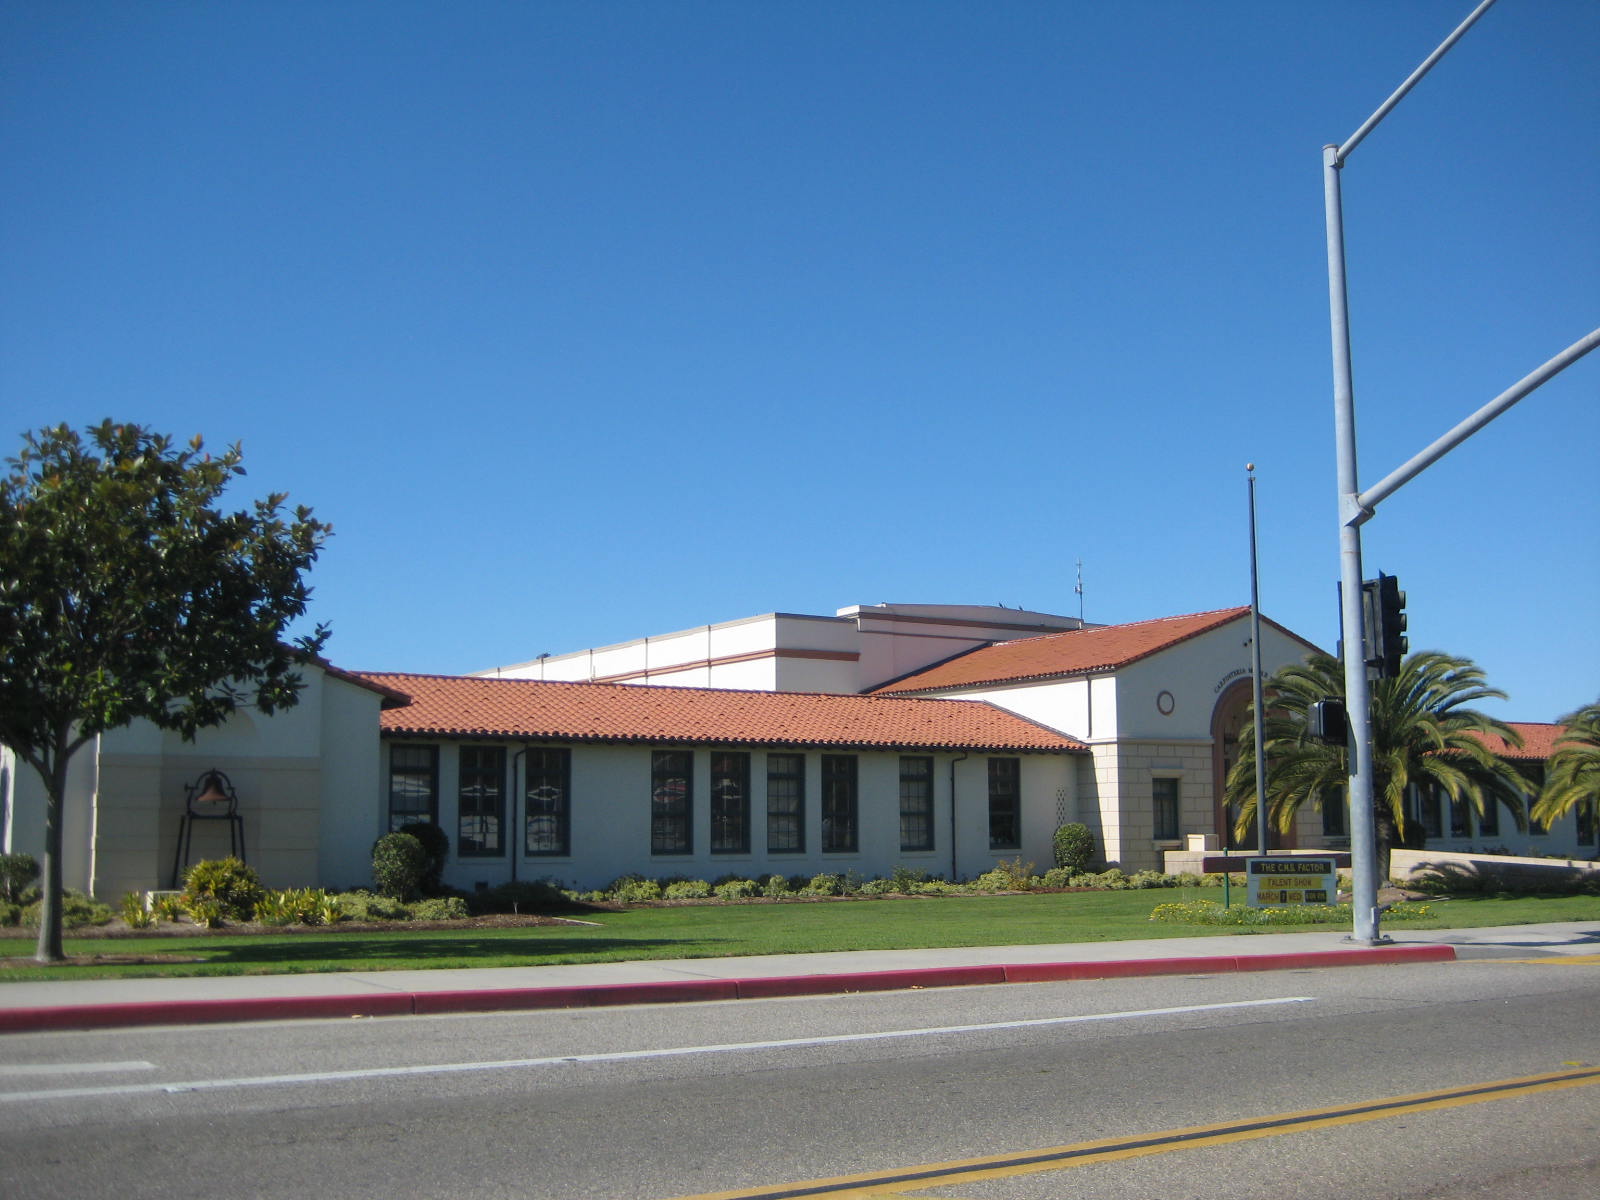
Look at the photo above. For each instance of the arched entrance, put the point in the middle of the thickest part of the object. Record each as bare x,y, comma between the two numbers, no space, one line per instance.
1228,718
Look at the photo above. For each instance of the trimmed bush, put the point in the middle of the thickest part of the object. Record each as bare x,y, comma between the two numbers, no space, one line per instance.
1209,912
235,887
687,889
439,908
436,845
1074,847
631,889
366,906
303,906
399,865
1012,875
17,874
77,910
520,896
737,889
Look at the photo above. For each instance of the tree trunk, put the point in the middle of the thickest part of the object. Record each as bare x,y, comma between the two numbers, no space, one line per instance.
1385,836
49,948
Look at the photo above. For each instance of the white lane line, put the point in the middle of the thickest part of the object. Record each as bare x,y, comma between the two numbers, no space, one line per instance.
200,1085
84,1068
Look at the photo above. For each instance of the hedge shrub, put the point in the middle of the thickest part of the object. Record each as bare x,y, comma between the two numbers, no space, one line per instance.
399,865
1074,847
17,875
436,845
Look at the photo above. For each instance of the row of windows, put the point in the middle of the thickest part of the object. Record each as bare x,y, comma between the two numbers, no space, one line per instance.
1429,809
1432,807
482,792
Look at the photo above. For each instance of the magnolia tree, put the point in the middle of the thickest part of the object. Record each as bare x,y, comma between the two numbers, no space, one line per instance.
127,593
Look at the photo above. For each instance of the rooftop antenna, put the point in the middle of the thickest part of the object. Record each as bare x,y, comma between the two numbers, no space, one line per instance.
1078,587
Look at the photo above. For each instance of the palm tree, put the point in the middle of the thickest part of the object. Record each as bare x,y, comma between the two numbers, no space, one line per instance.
1423,733
1572,777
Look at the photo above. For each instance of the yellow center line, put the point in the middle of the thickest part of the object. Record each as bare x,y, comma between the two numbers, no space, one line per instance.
899,1182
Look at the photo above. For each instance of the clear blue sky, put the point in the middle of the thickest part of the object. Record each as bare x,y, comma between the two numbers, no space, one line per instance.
582,321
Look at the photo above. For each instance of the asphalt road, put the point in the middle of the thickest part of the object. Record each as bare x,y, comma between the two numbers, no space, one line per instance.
770,1097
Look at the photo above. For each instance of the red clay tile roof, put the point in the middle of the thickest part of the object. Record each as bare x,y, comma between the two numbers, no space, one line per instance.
457,706
1538,741
1071,652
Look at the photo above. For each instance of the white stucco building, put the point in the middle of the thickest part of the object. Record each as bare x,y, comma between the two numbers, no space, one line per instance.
938,738
852,651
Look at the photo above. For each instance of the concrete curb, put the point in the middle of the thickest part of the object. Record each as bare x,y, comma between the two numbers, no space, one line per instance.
391,1004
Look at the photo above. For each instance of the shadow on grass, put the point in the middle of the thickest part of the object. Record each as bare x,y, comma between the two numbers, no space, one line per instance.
424,951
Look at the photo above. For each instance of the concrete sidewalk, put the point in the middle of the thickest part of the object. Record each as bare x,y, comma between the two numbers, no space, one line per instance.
110,1003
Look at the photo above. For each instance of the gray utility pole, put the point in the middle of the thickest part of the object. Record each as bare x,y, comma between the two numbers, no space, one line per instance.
1255,675
1356,507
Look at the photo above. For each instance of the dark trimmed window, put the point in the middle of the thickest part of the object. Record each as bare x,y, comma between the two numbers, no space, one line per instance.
839,804
1586,823
730,802
916,803
547,802
1005,804
671,801
413,784
1460,823
1164,798
786,803
481,802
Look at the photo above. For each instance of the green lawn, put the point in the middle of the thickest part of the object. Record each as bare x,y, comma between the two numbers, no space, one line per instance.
712,931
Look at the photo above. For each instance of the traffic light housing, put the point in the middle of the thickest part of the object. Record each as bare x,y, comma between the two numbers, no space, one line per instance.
1327,721
1383,610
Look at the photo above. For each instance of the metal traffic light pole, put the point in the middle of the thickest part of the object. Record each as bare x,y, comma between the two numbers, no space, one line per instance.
1356,507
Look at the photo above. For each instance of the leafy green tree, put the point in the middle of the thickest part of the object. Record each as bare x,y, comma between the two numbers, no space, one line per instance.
1572,776
1424,732
127,594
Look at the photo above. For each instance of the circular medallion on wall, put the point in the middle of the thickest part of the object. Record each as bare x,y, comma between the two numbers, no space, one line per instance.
1165,703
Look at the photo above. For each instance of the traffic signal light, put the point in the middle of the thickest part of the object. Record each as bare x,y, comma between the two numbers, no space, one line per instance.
1383,610
1327,721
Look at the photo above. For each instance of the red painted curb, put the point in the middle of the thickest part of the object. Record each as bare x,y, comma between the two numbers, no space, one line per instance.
190,1012
388,1004
869,981
1356,956
594,996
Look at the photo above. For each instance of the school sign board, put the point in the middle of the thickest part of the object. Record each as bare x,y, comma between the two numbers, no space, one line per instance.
1276,882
